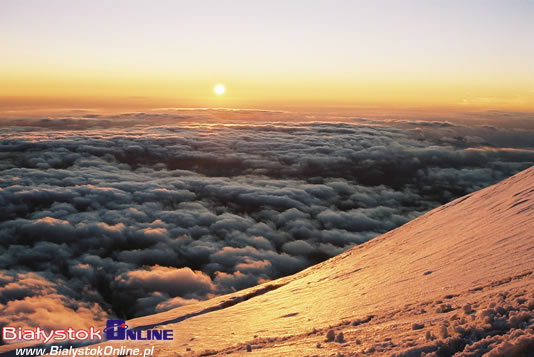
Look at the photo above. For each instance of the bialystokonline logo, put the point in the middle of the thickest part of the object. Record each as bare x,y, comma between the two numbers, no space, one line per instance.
115,330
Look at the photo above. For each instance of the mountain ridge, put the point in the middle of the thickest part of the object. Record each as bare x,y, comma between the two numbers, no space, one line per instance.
459,254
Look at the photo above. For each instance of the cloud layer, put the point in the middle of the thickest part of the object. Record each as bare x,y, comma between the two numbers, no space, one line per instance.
131,219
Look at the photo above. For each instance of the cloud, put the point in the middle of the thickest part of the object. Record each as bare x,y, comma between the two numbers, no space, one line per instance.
31,300
137,213
173,281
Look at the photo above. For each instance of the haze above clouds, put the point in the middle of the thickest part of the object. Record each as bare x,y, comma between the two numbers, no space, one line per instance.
139,213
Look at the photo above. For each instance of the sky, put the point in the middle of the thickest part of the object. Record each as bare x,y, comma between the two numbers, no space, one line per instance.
469,55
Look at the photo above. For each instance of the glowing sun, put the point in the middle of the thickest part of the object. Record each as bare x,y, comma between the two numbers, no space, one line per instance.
219,89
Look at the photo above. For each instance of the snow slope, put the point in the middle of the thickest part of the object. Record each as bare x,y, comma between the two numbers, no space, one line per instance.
456,281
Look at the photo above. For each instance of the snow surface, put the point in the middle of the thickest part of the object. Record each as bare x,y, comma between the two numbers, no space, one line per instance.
456,281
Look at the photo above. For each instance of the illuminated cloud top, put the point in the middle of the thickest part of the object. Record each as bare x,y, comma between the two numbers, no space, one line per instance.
140,213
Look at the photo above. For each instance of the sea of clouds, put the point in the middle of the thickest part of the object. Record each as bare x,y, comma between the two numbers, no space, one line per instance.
127,215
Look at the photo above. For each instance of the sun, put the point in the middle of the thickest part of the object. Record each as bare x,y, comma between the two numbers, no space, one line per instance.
219,89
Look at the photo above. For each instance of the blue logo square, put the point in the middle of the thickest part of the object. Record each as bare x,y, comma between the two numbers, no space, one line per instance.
115,330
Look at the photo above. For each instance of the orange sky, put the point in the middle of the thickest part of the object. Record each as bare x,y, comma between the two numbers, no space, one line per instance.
305,54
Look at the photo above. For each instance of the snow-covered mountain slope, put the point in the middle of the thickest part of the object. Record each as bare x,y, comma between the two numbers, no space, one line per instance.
458,280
